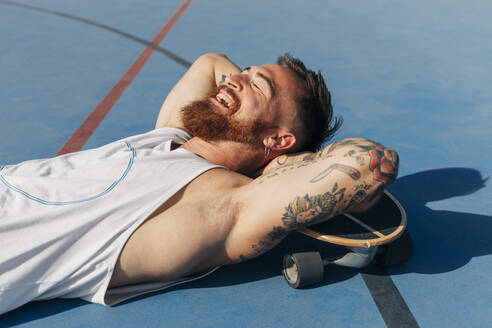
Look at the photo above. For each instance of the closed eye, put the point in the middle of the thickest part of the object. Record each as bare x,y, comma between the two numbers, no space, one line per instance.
257,87
269,86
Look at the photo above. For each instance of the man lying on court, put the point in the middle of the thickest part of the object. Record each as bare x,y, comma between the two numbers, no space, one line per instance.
169,205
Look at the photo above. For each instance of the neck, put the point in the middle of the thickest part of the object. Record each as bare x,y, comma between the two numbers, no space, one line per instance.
237,157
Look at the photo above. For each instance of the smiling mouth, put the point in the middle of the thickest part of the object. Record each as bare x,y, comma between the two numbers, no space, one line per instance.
226,99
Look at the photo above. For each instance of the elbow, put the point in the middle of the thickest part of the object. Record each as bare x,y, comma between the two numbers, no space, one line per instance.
384,170
384,164
211,57
383,161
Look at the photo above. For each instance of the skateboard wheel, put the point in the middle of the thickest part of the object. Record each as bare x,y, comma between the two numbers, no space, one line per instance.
303,269
396,252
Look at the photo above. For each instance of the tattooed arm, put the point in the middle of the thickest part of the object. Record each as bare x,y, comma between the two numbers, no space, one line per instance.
206,73
347,176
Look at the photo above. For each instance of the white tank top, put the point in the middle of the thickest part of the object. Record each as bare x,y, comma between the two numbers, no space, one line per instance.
65,220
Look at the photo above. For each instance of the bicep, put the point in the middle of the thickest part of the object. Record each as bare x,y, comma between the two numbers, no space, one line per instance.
346,176
200,78
330,182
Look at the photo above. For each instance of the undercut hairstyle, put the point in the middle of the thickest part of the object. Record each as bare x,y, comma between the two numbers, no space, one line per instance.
315,110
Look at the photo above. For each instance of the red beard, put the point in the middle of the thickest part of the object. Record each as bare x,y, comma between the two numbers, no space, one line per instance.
203,121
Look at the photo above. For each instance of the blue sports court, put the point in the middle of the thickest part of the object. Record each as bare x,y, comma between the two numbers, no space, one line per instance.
416,76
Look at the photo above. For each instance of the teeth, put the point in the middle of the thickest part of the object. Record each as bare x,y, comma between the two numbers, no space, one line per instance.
224,100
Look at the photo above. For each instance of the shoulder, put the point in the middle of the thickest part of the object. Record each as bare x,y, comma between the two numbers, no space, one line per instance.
221,181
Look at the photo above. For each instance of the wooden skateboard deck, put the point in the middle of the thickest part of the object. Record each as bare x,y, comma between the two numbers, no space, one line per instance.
385,222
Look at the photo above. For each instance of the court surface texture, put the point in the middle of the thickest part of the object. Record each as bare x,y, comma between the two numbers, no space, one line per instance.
415,76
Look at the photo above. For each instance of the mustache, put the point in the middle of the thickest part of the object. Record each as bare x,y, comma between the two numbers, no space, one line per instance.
201,120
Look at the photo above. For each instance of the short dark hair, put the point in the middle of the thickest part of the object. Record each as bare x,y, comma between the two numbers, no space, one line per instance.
315,109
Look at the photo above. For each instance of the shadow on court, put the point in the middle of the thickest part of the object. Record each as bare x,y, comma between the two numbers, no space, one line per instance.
443,241
38,310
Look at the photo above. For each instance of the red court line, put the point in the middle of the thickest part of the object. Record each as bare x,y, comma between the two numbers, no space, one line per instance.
87,128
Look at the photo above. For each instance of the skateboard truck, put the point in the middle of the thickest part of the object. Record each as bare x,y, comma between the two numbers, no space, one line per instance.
307,268
304,268
358,258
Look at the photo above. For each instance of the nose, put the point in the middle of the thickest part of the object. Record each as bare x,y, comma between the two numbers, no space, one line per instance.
234,82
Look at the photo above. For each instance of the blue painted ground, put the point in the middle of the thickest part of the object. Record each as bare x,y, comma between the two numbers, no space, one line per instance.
415,76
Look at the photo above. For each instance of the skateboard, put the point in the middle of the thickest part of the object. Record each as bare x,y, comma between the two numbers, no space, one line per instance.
378,235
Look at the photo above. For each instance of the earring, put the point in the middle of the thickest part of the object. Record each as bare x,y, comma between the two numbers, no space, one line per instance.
281,160
267,152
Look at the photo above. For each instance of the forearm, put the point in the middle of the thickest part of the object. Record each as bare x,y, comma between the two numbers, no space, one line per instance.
222,67
205,74
346,176
211,69
282,161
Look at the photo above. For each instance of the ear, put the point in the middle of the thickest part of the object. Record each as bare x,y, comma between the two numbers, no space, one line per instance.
282,141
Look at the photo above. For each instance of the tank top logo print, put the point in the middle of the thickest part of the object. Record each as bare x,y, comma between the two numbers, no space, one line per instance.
71,179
